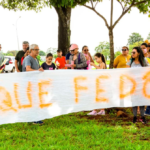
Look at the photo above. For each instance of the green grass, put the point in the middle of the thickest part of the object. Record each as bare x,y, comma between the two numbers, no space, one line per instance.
76,132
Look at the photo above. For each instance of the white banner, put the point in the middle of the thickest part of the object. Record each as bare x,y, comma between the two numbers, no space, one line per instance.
34,96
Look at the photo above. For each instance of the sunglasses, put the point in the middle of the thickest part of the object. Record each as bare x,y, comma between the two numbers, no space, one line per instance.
72,50
36,49
124,50
133,52
86,50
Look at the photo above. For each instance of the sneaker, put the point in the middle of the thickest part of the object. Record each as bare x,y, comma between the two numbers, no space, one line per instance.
143,120
146,114
102,112
38,122
93,113
134,119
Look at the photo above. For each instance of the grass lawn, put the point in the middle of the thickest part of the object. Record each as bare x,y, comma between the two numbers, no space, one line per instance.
77,132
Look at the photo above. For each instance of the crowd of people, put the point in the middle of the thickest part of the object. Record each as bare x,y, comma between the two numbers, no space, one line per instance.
26,60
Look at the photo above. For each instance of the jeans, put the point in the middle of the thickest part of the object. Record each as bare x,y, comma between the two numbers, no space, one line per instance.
141,111
147,110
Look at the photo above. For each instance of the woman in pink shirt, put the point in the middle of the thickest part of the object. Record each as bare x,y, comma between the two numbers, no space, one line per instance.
87,55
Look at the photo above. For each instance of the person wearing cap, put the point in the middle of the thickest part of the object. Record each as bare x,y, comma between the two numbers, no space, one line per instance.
19,56
77,59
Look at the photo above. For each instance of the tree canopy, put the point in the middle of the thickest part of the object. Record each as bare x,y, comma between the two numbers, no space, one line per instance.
42,53
135,37
148,36
104,48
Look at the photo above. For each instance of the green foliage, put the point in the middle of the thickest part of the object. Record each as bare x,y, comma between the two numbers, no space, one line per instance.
42,53
11,53
8,54
104,48
117,53
135,37
39,58
39,4
51,50
77,131
148,36
134,45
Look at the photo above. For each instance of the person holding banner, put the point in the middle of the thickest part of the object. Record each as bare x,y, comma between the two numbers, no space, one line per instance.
30,63
137,60
121,60
88,56
100,59
77,60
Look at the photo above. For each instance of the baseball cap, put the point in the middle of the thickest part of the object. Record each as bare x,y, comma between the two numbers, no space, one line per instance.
73,46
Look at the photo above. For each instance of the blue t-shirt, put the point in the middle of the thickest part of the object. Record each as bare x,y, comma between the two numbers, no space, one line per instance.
68,55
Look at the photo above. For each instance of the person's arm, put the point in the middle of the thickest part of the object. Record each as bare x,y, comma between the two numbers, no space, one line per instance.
98,67
16,63
54,67
82,60
91,58
116,61
28,68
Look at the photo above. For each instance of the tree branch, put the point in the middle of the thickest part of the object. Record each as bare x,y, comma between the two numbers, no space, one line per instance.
111,15
140,2
121,5
95,5
123,13
92,3
98,15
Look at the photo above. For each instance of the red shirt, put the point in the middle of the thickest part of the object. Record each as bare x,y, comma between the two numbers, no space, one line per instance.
22,60
62,62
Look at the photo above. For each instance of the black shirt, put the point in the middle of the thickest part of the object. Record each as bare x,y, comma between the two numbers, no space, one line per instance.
18,57
48,67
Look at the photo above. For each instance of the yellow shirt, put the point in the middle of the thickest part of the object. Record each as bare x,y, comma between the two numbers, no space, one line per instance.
148,59
121,61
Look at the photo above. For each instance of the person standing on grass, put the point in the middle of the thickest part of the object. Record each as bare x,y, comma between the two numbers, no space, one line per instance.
137,60
60,60
19,56
121,60
30,63
100,59
77,60
87,55
48,65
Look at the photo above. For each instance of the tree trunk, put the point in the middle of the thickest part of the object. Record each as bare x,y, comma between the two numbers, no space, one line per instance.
64,32
111,39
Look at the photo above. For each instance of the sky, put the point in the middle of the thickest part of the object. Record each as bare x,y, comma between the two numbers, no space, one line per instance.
87,28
